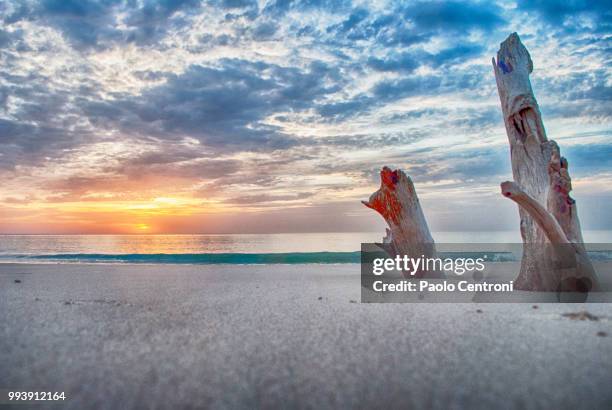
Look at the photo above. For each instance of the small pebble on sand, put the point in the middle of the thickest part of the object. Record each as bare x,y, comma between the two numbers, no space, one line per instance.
584,315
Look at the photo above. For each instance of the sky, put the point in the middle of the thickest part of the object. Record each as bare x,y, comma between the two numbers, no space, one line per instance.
235,116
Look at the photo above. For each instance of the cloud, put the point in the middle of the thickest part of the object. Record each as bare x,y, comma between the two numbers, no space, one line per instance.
454,16
279,7
589,158
408,62
237,4
283,102
148,23
558,12
85,23
91,24
418,22
224,107
265,30
200,169
407,87
267,198
5,38
345,109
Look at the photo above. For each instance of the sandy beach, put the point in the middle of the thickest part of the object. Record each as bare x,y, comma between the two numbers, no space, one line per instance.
169,336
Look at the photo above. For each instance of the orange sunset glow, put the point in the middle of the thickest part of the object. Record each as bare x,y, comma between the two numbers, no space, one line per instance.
204,121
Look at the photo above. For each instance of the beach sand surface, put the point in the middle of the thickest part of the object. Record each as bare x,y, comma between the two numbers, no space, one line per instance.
290,336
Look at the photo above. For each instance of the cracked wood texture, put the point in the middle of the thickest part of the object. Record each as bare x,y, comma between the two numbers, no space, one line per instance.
408,234
549,220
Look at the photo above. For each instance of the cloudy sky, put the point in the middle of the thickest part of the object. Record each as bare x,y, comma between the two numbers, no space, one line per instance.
276,116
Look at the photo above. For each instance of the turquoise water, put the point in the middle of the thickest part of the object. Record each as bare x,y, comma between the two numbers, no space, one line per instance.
291,258
232,249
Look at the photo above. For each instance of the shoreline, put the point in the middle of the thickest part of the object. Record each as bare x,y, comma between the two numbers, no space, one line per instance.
175,335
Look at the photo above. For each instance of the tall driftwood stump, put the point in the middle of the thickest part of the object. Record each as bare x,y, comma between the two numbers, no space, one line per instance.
408,234
554,257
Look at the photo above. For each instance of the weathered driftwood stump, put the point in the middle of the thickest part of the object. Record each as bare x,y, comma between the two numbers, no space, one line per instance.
408,233
554,257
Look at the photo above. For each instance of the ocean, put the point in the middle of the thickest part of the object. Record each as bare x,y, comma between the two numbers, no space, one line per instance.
302,248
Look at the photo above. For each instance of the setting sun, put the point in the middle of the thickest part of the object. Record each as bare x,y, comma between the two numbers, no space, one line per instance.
142,227
306,204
